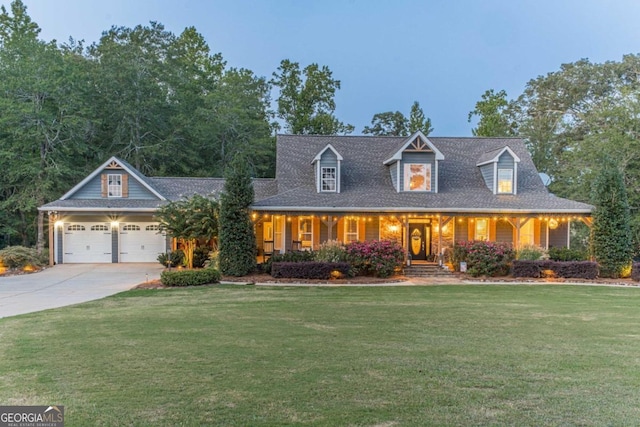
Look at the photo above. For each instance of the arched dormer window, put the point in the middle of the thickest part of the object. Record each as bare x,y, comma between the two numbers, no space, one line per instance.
327,168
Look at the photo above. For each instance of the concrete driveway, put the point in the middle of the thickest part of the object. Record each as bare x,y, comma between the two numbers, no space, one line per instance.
69,284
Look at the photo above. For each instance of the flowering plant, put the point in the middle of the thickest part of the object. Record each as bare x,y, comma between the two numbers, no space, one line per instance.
376,257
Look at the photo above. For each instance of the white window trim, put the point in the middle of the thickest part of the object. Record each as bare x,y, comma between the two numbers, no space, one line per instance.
346,230
475,229
428,171
299,233
511,171
328,180
110,186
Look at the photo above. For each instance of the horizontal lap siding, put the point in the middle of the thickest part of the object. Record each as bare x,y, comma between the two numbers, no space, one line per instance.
93,188
504,232
558,237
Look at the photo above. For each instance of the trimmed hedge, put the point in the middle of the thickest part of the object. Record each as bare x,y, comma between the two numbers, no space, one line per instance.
292,256
635,271
308,269
563,269
203,276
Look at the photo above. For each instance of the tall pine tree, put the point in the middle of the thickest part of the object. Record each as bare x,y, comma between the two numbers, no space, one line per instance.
610,234
237,240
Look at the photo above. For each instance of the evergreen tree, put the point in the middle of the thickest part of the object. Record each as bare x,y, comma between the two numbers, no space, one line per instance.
237,241
418,121
610,234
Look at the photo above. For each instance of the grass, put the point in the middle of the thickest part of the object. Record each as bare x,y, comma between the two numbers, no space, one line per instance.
401,356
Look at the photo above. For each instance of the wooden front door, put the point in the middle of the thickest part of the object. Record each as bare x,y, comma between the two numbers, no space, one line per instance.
419,240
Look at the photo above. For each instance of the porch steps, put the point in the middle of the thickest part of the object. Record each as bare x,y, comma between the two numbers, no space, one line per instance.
426,270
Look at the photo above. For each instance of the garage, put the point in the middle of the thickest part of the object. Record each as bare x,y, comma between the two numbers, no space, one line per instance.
87,242
141,242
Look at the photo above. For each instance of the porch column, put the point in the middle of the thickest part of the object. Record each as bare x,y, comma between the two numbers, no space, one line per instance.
52,222
439,236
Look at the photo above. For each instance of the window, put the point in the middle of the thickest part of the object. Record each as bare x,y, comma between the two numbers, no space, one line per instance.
114,185
76,227
152,227
328,179
277,232
527,235
505,180
350,230
131,227
482,229
417,177
305,232
99,227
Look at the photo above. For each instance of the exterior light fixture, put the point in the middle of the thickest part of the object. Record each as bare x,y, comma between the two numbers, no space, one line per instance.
553,223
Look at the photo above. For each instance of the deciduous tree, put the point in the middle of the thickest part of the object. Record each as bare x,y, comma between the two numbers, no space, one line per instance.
493,117
306,102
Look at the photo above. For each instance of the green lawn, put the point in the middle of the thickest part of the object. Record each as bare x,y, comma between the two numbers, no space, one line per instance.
255,356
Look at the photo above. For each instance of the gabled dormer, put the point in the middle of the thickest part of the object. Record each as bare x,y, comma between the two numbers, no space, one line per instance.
499,169
327,169
114,179
414,167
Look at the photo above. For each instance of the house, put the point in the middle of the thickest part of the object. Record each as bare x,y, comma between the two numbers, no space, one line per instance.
426,193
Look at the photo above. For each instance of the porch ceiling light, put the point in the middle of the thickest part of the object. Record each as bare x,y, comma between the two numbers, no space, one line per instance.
553,223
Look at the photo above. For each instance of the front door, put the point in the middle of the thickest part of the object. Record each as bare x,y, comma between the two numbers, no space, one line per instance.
419,240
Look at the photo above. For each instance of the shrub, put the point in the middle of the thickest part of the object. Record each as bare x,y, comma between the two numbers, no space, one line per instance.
566,254
202,276
200,256
294,256
378,257
176,257
309,269
18,257
484,258
530,253
331,251
635,271
563,269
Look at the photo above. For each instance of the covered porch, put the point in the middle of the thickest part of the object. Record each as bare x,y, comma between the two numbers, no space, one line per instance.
425,236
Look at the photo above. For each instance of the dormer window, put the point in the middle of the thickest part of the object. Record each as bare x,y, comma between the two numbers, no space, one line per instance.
417,177
328,179
327,170
499,169
505,181
114,185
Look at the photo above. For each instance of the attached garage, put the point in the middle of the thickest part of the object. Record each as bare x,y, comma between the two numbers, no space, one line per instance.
87,242
141,242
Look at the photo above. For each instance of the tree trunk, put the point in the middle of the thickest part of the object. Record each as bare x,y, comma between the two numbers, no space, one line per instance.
40,239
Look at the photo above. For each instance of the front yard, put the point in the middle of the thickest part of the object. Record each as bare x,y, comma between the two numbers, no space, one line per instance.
274,356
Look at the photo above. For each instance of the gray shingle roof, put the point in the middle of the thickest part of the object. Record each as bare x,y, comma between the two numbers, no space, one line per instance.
366,182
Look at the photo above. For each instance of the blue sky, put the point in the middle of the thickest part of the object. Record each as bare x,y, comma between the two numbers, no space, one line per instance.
387,54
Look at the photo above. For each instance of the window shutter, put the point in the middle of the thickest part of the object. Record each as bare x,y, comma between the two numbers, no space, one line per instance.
340,229
104,185
125,185
362,227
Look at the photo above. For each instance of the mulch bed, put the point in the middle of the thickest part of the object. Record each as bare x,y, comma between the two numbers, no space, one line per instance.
457,277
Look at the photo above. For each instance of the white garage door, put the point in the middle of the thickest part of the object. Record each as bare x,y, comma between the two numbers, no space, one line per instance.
87,242
141,242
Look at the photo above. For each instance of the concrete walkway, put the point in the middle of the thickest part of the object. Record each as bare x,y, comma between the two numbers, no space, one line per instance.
69,284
